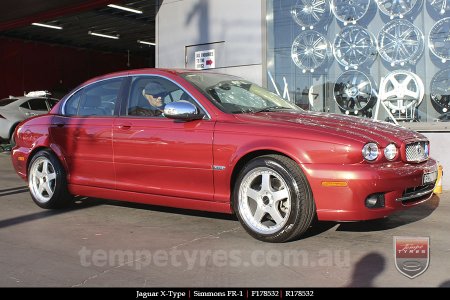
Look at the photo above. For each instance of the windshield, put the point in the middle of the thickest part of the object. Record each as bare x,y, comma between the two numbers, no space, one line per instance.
6,101
235,95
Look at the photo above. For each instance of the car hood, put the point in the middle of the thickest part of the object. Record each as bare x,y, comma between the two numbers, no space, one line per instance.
356,128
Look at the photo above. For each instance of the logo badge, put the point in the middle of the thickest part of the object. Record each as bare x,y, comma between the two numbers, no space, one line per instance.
419,150
427,151
412,255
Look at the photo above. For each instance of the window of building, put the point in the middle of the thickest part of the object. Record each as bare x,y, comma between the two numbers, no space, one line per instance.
369,59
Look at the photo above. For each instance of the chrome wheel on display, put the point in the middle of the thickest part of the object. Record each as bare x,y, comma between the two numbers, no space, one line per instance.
440,6
265,201
354,46
400,42
42,181
401,90
440,90
395,8
349,11
353,92
439,39
308,13
310,50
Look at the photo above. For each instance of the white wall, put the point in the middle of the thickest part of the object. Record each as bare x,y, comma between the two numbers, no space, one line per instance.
237,23
440,148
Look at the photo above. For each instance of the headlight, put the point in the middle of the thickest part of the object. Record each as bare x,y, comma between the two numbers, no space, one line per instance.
390,152
370,151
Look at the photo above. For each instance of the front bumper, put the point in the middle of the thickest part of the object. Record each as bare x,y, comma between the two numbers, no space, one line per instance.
400,183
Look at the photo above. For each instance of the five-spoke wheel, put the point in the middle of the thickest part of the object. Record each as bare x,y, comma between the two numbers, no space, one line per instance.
47,181
273,200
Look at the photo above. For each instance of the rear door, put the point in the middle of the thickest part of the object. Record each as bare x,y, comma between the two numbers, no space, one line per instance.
84,133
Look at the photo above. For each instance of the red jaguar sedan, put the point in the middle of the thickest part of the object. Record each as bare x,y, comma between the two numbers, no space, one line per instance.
215,142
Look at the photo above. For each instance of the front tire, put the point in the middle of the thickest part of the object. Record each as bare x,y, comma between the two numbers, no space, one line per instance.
47,181
273,200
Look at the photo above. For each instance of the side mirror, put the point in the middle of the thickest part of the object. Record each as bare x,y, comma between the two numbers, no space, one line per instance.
182,110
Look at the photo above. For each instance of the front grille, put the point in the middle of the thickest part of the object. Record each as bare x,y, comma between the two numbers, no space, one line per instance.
415,194
417,152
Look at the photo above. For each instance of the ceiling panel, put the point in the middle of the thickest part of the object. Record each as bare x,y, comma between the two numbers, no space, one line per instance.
130,27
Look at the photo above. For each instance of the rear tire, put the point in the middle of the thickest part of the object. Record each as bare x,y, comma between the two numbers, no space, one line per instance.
273,200
47,181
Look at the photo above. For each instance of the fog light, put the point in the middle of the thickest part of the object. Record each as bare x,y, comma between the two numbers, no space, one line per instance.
375,201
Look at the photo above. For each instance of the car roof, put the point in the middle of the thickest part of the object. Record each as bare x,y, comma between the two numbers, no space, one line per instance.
149,71
22,99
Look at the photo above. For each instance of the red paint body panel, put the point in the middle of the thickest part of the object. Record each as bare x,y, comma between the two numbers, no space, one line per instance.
169,158
191,164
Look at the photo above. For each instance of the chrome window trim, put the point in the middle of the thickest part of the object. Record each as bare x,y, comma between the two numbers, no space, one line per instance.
63,112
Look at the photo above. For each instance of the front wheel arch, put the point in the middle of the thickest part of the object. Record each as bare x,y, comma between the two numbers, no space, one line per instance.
273,199
246,159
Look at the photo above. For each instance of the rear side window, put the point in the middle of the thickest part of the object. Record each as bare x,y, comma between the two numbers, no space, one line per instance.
38,104
6,101
71,105
98,99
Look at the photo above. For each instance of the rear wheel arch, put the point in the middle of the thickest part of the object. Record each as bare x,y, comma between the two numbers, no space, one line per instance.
12,130
56,153
47,180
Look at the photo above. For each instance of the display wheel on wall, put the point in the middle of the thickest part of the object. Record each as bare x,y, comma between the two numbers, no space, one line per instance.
354,92
400,42
440,90
395,8
349,11
354,46
439,39
310,50
309,13
440,6
401,91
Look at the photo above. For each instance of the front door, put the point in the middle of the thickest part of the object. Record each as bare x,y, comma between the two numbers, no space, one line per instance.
161,156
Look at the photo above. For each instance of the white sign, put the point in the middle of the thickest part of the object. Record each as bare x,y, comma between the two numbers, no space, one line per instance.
205,59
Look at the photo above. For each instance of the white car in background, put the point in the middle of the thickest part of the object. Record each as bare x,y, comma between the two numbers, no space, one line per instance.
14,110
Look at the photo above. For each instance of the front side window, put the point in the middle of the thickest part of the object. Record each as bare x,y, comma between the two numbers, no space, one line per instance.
149,94
235,95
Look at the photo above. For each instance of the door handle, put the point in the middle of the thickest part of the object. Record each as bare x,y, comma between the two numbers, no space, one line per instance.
60,125
124,126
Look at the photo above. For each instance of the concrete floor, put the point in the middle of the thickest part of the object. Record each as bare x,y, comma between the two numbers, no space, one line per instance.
106,243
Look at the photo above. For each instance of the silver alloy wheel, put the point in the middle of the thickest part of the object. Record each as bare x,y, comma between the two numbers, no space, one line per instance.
396,8
438,39
400,42
310,50
308,13
264,200
42,181
354,46
440,6
354,92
